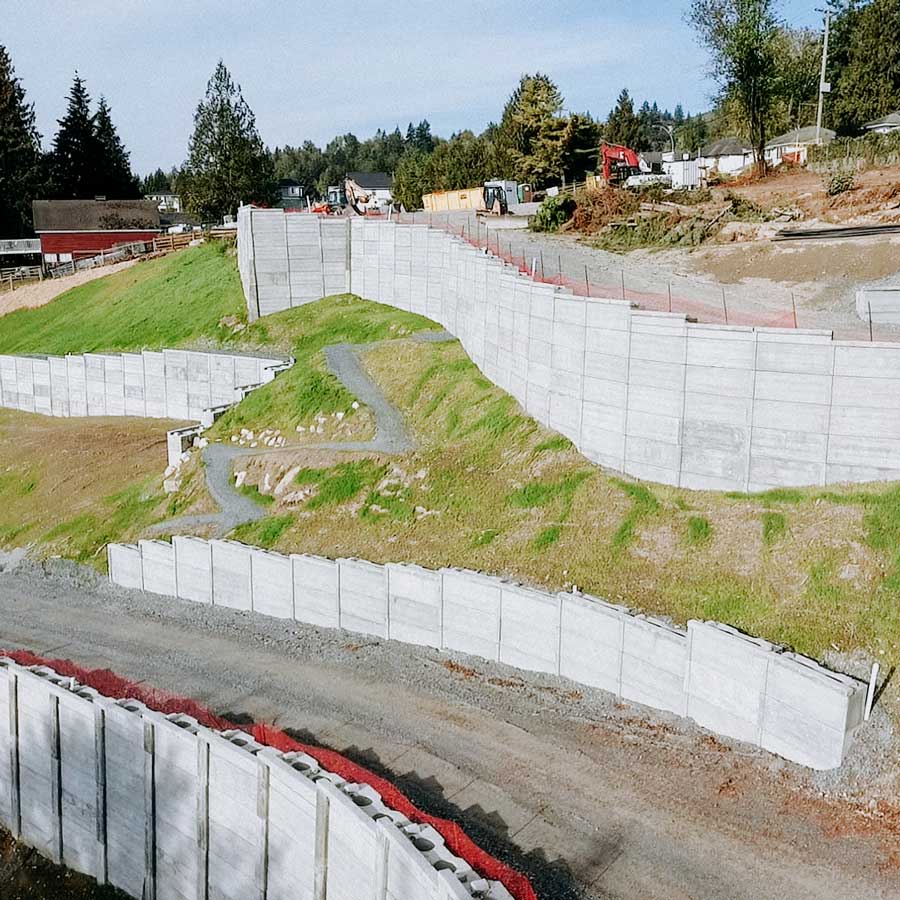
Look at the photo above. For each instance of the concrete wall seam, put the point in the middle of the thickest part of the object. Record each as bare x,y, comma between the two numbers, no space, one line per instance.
161,806
736,685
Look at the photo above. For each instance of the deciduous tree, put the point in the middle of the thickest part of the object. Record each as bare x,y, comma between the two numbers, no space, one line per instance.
741,36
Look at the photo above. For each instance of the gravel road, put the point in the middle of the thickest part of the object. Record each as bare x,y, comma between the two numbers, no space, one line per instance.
592,798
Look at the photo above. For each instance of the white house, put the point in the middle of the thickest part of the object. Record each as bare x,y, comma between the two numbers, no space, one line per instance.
890,122
375,185
726,156
793,147
166,202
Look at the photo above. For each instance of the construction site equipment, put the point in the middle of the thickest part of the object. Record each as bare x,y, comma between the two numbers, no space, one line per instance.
493,196
622,167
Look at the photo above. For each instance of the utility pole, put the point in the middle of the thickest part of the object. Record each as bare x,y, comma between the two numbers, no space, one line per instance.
824,86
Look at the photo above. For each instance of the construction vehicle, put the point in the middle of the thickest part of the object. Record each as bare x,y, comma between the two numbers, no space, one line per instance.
622,167
493,197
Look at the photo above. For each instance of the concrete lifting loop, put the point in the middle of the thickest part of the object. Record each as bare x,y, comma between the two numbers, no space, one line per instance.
161,806
728,682
646,393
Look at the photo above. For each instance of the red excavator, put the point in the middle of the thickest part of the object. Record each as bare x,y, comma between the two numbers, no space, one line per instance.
619,163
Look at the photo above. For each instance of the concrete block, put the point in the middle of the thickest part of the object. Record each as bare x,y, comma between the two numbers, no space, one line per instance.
231,575
471,613
125,567
654,660
273,584
590,644
193,566
810,713
726,680
793,387
352,846
363,597
415,605
529,629
316,591
158,567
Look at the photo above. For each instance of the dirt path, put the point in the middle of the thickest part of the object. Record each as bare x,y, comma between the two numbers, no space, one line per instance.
592,798
391,436
32,295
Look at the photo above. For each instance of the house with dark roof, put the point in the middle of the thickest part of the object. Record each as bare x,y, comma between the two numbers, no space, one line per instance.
74,229
726,156
793,147
291,194
885,125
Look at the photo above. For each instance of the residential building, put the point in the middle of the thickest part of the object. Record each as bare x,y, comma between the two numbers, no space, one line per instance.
889,123
793,147
726,156
166,202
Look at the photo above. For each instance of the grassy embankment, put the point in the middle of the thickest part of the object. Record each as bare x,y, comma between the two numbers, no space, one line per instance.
488,488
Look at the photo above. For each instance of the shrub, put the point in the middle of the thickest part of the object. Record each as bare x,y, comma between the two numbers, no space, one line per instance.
840,183
552,213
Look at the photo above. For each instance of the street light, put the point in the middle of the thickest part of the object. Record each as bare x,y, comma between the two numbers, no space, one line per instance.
669,129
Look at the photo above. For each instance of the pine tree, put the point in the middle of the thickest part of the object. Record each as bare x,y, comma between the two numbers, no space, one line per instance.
76,150
227,162
156,183
114,176
624,126
423,139
20,154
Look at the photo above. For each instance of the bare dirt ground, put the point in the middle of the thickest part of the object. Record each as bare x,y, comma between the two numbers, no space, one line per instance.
590,797
26,875
42,292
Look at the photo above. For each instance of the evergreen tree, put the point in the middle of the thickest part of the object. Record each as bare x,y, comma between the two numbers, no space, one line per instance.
692,134
157,183
227,162
624,126
76,149
423,139
20,154
114,176
868,86
532,110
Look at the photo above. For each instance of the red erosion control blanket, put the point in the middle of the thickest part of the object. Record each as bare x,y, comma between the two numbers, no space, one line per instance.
111,685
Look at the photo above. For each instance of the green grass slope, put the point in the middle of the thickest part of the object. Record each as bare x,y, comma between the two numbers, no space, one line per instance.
163,302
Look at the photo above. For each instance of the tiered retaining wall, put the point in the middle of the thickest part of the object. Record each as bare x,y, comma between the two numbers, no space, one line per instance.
649,394
169,384
733,684
162,807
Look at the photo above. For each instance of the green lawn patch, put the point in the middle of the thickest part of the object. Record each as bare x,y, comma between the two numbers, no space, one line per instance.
166,302
699,531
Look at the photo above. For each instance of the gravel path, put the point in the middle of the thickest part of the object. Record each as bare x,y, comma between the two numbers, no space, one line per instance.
391,436
591,798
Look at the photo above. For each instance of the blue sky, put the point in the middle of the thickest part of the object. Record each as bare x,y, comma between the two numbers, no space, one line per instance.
311,70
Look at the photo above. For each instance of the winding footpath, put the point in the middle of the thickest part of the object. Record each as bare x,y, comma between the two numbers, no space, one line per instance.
391,437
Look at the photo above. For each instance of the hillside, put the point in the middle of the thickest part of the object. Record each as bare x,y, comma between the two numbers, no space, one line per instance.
485,486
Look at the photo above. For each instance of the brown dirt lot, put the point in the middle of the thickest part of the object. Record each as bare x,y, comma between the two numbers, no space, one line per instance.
70,485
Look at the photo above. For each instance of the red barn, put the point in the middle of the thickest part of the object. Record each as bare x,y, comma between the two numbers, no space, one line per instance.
73,229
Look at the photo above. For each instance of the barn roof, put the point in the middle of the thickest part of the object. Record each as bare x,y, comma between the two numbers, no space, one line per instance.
95,215
372,181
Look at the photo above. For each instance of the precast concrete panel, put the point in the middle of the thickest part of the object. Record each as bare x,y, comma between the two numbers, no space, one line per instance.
591,641
273,584
316,591
193,566
654,660
125,567
158,567
415,600
232,586
364,597
529,629
471,613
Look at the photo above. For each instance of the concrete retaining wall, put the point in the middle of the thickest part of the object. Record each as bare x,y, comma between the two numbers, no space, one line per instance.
646,393
159,806
733,684
171,384
881,305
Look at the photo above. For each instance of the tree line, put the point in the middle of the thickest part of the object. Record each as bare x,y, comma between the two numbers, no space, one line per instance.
767,75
